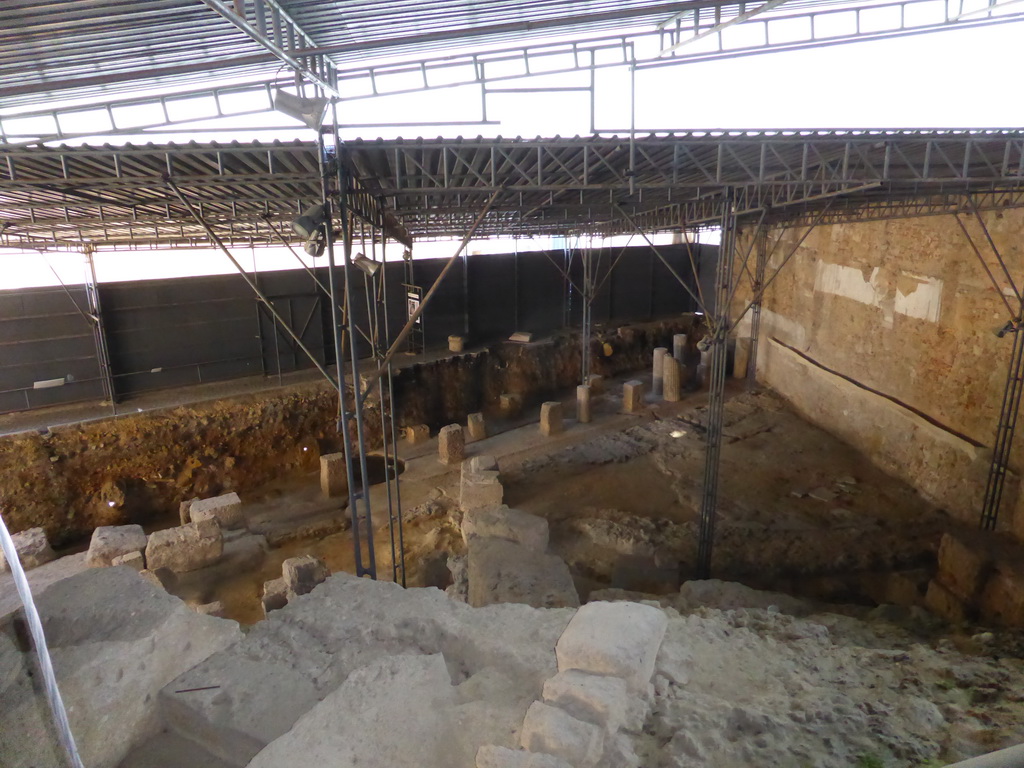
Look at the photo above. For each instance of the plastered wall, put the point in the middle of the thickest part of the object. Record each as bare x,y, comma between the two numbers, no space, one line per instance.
885,334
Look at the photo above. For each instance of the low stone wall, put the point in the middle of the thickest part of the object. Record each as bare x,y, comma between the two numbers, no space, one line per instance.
136,467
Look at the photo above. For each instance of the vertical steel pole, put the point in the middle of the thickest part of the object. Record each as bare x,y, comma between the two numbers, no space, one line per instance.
719,335
99,332
1004,431
588,297
760,266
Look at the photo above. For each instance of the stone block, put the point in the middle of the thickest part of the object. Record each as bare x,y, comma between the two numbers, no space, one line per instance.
216,608
482,463
275,595
302,574
476,426
1002,600
184,510
511,405
451,444
551,422
333,475
944,604
110,541
501,571
456,343
658,371
185,548
596,383
672,381
132,560
479,490
555,732
33,549
597,699
583,404
741,358
521,337
618,639
225,509
491,756
510,524
964,565
417,434
632,396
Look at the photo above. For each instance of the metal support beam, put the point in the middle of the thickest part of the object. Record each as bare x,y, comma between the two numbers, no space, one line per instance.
1005,429
99,332
760,266
717,348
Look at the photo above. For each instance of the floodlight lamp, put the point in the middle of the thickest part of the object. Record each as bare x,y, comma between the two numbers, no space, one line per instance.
369,266
310,221
314,246
310,111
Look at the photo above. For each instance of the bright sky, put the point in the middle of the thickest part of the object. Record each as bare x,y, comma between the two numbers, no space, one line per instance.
958,78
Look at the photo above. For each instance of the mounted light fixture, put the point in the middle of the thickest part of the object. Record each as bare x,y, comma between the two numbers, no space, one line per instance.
311,220
310,111
369,266
314,246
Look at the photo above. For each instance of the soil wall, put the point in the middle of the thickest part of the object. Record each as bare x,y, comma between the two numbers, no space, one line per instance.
885,334
137,467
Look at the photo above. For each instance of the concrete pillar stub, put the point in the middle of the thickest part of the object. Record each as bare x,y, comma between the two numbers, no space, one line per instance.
551,418
672,387
451,444
632,396
657,380
511,405
583,404
678,345
476,426
455,343
333,475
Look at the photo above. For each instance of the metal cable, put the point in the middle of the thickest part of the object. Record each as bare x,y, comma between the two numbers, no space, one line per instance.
60,715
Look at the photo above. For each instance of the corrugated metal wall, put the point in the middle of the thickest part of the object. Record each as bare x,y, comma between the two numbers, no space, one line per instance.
171,333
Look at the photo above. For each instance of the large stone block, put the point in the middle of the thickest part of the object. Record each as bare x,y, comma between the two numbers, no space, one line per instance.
333,475
1002,600
451,444
33,549
275,595
597,699
491,756
551,421
396,711
510,524
501,571
944,604
964,564
555,732
110,541
596,383
417,434
632,396
302,574
185,548
225,509
617,639
476,426
479,490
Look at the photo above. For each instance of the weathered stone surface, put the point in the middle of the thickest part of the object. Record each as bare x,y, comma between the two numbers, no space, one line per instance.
617,639
521,337
555,732
596,383
632,396
225,509
132,560
482,463
333,475
583,404
906,588
1002,601
944,604
551,422
302,574
417,434
503,571
456,343
597,699
678,346
491,756
275,595
393,712
510,524
110,541
476,426
964,564
216,608
115,641
658,371
511,405
480,490
451,444
672,385
186,547
32,547
164,578
184,510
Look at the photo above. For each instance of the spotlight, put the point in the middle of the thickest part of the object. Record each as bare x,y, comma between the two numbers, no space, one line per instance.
314,245
369,266
311,111
310,221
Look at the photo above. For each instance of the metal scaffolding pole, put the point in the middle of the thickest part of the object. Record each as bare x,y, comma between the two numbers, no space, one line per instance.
760,267
1005,430
588,298
717,348
99,332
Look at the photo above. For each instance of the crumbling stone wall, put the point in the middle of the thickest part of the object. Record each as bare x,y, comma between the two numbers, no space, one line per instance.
885,334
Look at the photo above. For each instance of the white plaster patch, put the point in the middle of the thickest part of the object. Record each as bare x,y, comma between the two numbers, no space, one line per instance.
848,282
922,299
784,328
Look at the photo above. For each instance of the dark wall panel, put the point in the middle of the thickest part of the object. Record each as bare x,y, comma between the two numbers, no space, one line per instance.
445,315
541,292
492,297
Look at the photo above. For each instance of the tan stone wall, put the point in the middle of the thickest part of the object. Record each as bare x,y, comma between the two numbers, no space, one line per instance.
903,308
